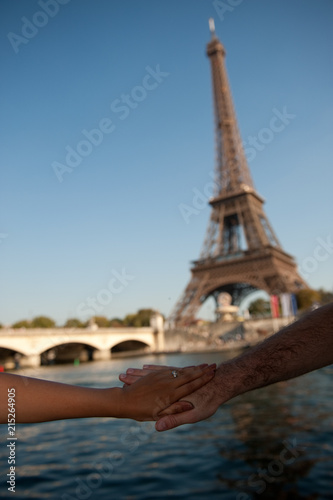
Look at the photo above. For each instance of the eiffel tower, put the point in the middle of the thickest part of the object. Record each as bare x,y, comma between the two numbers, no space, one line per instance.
241,252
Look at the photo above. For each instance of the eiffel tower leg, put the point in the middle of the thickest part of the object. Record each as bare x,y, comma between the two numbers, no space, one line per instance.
189,303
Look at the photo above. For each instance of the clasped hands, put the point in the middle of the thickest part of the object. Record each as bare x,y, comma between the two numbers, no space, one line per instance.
190,400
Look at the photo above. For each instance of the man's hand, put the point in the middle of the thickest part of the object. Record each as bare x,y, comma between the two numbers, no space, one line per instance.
205,400
204,403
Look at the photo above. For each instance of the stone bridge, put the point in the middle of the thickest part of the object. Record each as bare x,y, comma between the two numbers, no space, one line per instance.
31,344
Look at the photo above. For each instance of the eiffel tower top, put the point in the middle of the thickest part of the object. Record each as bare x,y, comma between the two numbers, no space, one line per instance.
211,23
232,171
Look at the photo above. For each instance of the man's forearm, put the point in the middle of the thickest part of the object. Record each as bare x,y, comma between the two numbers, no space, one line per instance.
301,347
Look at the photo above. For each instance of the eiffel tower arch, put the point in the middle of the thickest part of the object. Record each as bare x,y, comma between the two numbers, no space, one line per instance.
241,252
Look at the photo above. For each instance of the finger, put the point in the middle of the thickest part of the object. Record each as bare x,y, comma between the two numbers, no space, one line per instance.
157,367
183,377
194,385
172,421
137,372
128,379
178,407
161,367
189,374
134,374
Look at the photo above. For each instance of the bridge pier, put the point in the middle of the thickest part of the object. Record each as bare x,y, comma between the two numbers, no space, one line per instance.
157,323
102,355
159,340
31,361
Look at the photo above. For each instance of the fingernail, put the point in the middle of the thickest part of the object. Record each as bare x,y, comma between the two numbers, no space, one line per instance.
129,370
161,426
122,375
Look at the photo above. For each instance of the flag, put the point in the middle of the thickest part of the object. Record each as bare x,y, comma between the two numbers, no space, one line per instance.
286,305
294,304
275,306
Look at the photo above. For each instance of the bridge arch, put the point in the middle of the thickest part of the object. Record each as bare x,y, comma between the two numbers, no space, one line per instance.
10,357
238,291
130,345
54,341
68,352
9,347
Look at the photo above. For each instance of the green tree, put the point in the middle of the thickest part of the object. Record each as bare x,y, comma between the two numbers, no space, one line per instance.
74,323
139,319
306,298
116,323
260,307
42,322
129,320
325,296
101,321
143,316
24,323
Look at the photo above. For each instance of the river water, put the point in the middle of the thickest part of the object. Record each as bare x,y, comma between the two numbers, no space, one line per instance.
273,443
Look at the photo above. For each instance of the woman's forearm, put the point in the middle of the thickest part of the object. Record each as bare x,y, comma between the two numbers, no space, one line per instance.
301,347
41,400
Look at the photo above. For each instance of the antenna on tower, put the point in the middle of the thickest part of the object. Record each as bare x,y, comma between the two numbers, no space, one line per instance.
212,27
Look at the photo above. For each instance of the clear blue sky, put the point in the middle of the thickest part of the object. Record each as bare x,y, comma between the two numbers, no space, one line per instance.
62,242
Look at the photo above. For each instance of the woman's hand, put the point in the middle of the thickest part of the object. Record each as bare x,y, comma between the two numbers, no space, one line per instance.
148,392
134,374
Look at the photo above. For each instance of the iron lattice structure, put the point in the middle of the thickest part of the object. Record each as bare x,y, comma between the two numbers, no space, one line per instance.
241,252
